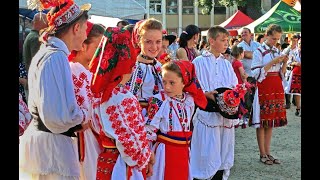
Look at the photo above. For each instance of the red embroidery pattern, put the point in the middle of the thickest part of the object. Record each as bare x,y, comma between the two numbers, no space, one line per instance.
24,116
154,105
78,85
128,124
105,164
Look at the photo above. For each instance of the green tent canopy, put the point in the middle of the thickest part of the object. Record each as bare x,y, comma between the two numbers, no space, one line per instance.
282,14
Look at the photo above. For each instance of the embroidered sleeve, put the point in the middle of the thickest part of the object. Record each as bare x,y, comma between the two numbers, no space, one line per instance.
153,108
154,105
124,122
257,66
135,82
81,81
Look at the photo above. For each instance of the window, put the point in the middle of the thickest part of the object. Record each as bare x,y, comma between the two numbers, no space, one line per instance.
155,7
172,7
218,9
187,7
172,30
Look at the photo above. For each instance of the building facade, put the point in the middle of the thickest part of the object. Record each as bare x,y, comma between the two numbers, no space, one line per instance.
175,15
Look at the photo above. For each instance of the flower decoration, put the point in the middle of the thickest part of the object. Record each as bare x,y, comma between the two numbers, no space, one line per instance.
165,57
114,57
232,97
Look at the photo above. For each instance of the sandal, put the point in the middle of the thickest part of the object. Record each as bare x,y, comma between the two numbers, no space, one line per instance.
265,159
275,161
297,112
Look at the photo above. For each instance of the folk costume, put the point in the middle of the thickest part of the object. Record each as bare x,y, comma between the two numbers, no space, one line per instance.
269,103
24,116
23,74
146,78
88,145
47,149
172,117
294,77
213,138
117,113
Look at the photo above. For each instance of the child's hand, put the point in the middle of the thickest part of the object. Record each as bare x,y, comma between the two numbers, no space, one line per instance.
85,126
149,170
210,95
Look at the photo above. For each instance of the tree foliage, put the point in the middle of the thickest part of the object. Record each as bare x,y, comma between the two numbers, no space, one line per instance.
229,3
206,5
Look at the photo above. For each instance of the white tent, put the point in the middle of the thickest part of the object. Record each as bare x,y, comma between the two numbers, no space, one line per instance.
123,9
297,6
106,21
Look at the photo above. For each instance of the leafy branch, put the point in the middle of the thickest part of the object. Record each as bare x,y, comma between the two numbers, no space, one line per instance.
207,5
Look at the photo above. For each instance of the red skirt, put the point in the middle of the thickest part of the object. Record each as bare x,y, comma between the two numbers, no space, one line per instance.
176,154
106,159
295,86
272,101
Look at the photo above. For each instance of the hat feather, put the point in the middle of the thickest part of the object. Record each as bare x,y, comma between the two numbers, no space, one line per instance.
44,4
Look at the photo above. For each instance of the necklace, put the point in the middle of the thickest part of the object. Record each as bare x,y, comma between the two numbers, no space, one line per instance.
181,114
146,60
179,96
146,57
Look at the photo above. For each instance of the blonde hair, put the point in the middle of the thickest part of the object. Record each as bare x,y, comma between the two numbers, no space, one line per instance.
149,24
214,31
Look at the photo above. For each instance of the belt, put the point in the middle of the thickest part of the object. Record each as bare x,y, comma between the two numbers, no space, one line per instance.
70,132
173,140
108,143
273,74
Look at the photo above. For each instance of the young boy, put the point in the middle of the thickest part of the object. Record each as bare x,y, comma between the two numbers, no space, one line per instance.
213,139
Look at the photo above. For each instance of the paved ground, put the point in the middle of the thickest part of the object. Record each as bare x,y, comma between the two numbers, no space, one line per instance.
285,145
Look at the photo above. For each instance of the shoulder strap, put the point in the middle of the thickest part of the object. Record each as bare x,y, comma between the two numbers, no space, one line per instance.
187,51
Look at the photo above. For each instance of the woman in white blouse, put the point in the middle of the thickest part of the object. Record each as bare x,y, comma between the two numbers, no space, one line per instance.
268,68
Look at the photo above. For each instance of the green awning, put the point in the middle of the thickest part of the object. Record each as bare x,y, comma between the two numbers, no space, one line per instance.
282,14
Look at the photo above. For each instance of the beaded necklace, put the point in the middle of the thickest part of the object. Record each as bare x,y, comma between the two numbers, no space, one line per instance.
181,114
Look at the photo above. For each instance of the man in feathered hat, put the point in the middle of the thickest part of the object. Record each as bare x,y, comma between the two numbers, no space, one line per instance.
47,150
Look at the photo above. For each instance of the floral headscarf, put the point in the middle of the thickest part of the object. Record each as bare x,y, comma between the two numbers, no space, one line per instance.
191,82
114,57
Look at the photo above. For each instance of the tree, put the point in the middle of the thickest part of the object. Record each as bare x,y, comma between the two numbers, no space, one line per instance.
251,8
207,4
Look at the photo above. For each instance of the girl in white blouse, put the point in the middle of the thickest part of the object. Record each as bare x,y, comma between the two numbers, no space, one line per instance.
169,119
268,68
